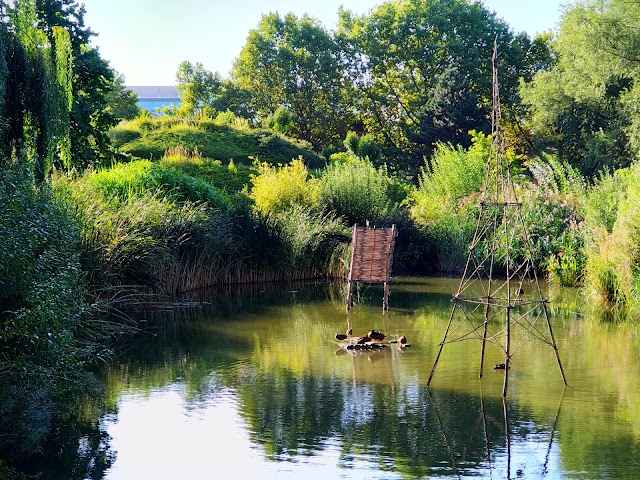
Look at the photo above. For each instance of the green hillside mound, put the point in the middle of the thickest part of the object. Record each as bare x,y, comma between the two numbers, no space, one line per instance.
150,138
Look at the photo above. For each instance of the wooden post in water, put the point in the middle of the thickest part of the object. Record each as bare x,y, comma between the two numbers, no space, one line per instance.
353,257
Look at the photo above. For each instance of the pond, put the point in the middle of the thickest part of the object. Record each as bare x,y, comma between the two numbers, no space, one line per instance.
253,385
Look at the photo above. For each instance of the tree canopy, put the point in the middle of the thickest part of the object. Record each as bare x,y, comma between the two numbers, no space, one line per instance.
585,106
293,62
422,69
55,88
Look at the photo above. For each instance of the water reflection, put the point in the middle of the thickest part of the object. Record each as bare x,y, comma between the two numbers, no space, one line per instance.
257,389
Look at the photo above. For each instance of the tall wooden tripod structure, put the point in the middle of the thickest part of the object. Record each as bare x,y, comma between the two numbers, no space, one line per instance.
499,291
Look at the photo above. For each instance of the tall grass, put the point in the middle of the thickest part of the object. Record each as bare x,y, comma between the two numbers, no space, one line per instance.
161,230
444,205
140,219
316,246
218,139
613,258
355,190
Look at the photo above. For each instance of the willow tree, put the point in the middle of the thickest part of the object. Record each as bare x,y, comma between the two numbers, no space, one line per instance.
28,58
93,81
34,78
294,63
586,105
422,69
64,97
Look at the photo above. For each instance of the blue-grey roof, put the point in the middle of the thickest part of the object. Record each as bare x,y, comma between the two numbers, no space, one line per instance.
150,92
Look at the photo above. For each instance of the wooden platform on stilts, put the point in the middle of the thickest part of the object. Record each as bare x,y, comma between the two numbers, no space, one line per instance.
371,258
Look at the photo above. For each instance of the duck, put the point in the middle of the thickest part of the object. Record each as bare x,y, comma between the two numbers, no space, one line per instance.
373,335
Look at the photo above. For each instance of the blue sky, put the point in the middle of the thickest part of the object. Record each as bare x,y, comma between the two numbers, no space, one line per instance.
146,39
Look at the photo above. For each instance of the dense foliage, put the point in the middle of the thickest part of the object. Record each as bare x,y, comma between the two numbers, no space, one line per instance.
294,63
259,177
585,105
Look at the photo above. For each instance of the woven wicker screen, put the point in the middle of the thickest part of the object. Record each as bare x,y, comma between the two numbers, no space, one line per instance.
372,254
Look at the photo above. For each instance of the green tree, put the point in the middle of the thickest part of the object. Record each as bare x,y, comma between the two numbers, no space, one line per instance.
281,121
585,105
92,77
293,63
423,70
202,91
231,97
122,103
196,86
36,89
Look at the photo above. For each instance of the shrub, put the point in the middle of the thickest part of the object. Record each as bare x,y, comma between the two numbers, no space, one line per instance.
553,212
276,189
281,121
451,175
121,134
444,205
613,259
603,199
355,190
363,146
230,179
230,119
42,299
139,178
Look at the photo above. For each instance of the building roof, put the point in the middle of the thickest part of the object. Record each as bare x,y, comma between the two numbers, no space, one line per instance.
151,92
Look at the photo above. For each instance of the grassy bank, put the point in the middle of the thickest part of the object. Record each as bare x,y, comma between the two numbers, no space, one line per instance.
151,138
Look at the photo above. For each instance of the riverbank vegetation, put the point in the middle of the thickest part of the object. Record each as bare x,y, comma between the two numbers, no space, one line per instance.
259,176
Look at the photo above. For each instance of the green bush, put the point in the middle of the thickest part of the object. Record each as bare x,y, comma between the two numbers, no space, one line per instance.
42,298
613,259
142,177
444,205
229,179
281,121
149,226
553,214
354,190
121,135
451,175
276,189
603,199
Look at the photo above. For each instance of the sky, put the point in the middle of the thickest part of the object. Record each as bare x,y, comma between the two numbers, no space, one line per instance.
146,40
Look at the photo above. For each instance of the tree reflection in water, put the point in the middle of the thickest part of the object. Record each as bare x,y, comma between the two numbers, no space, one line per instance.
299,405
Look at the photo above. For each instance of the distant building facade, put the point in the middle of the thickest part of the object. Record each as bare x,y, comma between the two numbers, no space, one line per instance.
153,97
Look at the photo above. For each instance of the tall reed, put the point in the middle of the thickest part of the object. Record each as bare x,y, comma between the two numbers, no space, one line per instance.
355,190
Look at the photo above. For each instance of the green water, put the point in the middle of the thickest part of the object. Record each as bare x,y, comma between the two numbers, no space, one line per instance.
253,386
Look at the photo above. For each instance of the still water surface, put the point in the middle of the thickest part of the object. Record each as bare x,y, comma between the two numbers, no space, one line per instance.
253,386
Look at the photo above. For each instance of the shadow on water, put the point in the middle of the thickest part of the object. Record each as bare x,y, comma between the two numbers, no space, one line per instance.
309,409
